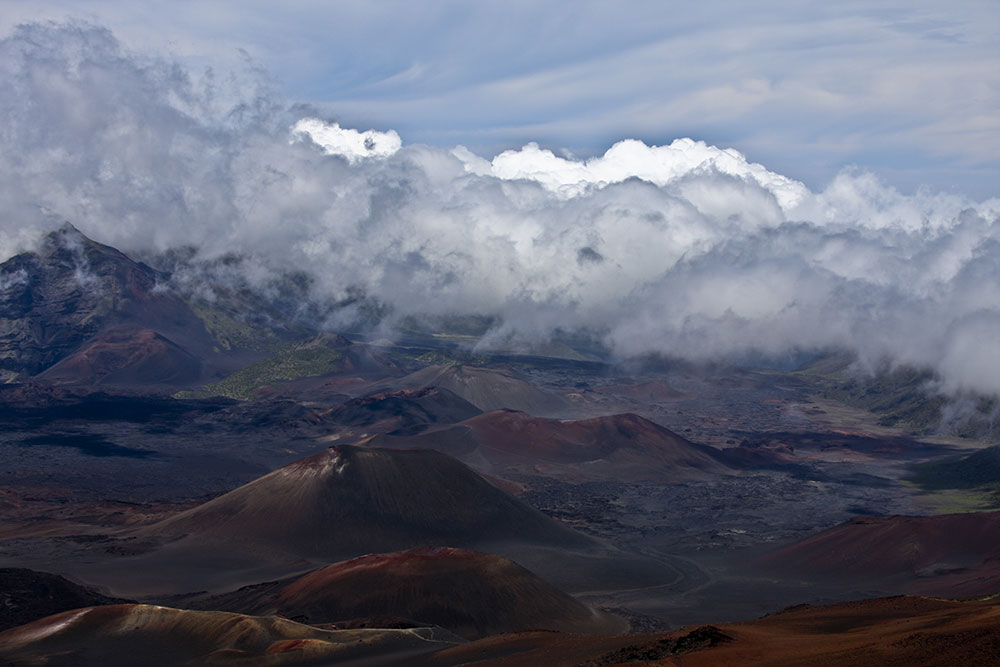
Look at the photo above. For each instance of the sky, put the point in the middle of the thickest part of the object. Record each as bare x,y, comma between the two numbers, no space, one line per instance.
908,89
763,185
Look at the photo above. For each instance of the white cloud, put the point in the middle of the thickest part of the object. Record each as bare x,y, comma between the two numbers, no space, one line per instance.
910,88
685,248
660,165
346,142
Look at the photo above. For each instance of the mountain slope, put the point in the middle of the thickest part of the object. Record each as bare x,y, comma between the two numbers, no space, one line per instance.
127,356
470,593
27,595
898,631
404,411
620,447
299,370
132,634
347,501
54,300
486,388
948,554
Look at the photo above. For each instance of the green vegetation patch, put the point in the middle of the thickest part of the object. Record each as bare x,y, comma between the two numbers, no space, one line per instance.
976,470
897,396
960,501
967,484
235,334
288,364
901,396
415,358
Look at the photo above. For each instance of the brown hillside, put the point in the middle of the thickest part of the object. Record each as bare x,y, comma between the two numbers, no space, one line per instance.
619,447
486,388
893,632
404,411
348,501
471,593
127,356
129,634
950,554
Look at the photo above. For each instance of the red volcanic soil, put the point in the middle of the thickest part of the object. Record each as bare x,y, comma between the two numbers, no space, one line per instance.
130,634
983,579
901,632
471,593
620,447
485,388
127,356
347,501
950,554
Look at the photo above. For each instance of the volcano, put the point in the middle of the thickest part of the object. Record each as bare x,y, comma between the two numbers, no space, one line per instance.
71,290
127,356
623,447
348,501
949,554
470,593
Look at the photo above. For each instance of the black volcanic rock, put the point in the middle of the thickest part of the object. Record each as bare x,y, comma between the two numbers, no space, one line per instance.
56,299
26,595
39,405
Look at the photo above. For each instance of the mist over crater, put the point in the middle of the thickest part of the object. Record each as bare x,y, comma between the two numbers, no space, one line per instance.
683,249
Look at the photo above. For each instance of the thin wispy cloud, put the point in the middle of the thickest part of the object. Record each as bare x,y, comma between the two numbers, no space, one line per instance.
910,89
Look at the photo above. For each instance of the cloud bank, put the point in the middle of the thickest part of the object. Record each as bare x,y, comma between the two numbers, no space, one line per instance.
908,87
683,249
659,165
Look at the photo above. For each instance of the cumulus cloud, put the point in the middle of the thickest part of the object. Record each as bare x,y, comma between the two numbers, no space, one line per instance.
661,165
348,143
684,249
807,86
